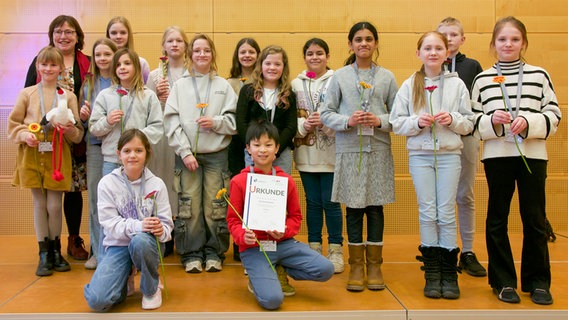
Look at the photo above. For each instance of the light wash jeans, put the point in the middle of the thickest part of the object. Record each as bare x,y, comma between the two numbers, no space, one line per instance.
436,198
284,161
465,198
108,284
94,175
317,186
299,261
201,231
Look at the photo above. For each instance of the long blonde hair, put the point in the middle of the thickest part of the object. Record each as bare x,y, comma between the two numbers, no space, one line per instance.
94,69
284,86
418,94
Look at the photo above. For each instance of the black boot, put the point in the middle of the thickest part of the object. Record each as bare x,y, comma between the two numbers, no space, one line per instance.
236,253
450,289
432,271
45,266
59,263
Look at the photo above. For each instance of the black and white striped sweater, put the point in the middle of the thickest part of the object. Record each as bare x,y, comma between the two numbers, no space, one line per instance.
538,106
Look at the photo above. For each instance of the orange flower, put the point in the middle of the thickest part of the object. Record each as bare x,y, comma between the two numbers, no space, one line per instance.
34,127
201,105
364,85
499,79
244,79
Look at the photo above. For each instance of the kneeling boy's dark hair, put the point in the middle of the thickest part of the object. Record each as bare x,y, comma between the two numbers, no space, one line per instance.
257,128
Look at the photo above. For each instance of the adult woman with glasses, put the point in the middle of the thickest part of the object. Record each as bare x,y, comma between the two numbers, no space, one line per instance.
66,34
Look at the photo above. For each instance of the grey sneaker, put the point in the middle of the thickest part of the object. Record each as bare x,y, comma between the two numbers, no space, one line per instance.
336,257
213,266
193,266
91,264
316,246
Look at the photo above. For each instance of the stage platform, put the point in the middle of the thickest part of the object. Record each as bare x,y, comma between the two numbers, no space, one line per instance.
224,295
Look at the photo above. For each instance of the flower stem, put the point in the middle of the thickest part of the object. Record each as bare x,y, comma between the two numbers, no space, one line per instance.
522,156
162,264
247,228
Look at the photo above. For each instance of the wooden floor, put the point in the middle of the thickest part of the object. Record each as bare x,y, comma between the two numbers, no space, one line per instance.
224,295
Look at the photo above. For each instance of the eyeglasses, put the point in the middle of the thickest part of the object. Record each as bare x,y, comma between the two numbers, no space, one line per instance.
67,32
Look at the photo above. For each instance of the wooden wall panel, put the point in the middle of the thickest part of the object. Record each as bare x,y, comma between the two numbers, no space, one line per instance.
538,16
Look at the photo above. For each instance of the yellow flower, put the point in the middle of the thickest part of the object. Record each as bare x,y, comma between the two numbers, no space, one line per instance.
34,127
202,105
364,85
499,79
221,193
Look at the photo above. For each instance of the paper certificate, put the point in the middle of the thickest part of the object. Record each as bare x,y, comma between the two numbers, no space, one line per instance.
265,202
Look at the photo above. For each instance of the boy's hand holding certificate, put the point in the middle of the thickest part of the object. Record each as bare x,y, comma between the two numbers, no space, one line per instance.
265,202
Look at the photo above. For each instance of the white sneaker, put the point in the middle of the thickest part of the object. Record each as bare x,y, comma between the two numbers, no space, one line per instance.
193,266
336,257
152,302
91,264
213,266
316,246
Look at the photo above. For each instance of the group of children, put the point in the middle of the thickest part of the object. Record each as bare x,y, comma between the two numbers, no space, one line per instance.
337,122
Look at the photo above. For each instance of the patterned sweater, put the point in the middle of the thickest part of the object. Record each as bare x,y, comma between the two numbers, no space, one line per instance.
538,106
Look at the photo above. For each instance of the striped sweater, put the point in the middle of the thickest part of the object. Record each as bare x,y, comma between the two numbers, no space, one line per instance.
538,106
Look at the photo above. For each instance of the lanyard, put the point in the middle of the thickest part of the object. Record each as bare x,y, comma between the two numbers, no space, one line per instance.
252,170
515,112
313,107
197,91
373,72
265,104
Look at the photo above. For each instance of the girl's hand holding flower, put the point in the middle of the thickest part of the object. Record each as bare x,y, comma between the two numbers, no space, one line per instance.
518,125
31,140
501,117
370,119
153,225
356,118
425,120
443,118
85,111
114,116
163,89
205,122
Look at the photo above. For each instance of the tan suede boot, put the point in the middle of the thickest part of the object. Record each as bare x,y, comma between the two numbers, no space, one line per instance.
356,280
374,261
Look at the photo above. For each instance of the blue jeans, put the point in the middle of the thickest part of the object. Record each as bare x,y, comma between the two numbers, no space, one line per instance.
436,198
94,175
108,284
284,161
201,231
109,166
299,261
317,186
375,224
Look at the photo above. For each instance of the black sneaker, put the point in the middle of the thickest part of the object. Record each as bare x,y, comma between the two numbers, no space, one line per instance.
541,296
507,294
469,263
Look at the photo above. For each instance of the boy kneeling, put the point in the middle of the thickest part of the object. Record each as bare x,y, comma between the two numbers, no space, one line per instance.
299,261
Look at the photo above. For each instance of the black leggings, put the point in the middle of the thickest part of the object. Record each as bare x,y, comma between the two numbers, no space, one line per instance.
73,209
